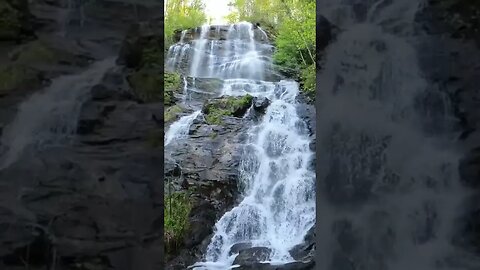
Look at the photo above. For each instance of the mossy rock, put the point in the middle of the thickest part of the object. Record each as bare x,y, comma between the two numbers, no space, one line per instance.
215,109
171,113
36,52
147,85
40,52
172,83
176,219
18,77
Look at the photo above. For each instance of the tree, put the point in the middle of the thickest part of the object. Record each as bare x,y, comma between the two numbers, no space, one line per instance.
182,14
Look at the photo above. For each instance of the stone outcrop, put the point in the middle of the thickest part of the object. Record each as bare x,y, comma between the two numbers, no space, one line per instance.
215,32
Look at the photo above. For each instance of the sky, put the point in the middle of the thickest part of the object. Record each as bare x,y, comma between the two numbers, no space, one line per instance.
217,10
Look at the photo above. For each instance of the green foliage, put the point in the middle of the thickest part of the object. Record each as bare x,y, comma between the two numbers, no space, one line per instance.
171,113
292,23
214,110
17,76
308,78
176,223
266,12
38,52
182,14
214,117
146,84
172,83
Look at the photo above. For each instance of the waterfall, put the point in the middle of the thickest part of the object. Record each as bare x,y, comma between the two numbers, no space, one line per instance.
179,129
50,117
390,189
277,205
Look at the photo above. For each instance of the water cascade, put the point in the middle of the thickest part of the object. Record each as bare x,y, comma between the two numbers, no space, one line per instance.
389,180
277,206
50,117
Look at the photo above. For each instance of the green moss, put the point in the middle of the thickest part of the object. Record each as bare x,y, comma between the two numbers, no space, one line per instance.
214,110
214,117
147,85
213,135
38,52
176,223
172,83
171,113
17,76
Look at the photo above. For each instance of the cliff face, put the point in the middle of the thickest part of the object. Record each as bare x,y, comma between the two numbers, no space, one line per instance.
80,169
451,61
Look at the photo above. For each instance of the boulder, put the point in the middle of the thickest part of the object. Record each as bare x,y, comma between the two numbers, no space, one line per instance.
239,247
215,109
305,250
260,105
252,255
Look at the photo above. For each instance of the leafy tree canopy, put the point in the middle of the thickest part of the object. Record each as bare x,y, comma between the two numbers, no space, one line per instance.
182,14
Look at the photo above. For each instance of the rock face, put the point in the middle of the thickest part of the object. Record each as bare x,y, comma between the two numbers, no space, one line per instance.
215,32
453,29
92,203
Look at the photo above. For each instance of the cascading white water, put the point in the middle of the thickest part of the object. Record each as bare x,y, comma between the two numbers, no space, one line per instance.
242,57
50,117
239,56
278,206
390,185
179,129
278,195
199,51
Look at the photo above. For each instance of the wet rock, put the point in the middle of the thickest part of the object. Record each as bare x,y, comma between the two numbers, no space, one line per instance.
202,220
307,113
289,266
239,247
260,104
305,250
216,32
172,168
215,109
252,255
